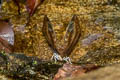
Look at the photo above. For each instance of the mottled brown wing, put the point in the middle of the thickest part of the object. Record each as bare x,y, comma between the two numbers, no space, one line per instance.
17,3
49,33
74,35
6,31
6,36
32,5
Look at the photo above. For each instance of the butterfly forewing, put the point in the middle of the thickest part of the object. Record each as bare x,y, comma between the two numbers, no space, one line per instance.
48,32
74,35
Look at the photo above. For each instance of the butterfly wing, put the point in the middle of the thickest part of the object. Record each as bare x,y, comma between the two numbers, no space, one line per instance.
74,35
49,33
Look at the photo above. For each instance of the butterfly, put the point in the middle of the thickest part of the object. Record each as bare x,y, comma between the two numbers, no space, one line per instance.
73,33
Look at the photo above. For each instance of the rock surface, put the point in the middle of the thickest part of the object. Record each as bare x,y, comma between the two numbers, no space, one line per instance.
111,72
72,70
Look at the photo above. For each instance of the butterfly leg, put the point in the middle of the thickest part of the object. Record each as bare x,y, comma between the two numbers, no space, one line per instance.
67,59
56,57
